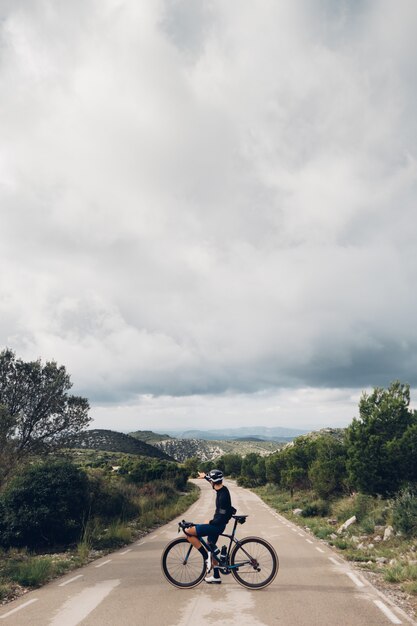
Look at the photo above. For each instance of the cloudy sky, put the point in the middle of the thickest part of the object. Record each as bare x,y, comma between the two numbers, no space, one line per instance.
208,209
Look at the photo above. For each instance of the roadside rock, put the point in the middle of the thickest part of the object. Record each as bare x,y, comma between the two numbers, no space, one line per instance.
388,533
297,511
345,525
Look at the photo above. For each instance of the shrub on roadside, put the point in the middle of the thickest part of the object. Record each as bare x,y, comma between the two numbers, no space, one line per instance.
404,514
109,499
5,590
360,505
317,508
44,505
114,536
32,571
143,471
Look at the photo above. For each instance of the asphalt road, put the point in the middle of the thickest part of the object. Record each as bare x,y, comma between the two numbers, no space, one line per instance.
313,586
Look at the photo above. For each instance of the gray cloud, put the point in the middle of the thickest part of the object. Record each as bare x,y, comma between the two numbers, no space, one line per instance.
209,198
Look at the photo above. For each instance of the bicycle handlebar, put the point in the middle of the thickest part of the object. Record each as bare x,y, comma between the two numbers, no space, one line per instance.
183,524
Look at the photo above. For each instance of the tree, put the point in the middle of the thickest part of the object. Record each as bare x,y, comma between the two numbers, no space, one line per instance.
327,472
374,449
274,463
232,464
37,413
7,452
252,470
191,465
405,450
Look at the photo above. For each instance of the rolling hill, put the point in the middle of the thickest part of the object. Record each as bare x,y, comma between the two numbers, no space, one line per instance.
149,436
113,441
207,449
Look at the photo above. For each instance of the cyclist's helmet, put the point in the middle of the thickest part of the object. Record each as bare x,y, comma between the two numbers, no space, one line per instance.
215,476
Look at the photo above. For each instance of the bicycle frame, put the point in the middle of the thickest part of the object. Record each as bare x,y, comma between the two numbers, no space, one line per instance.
232,540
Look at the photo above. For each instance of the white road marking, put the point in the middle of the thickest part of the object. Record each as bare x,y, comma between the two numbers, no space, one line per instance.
309,541
19,608
71,580
126,551
334,561
387,612
77,608
206,608
294,530
355,579
319,550
101,564
140,543
300,534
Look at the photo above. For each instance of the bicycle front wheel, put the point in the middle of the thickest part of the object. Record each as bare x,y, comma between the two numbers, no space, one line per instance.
183,565
254,562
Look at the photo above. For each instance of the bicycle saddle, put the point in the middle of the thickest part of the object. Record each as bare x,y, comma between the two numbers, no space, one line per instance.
241,519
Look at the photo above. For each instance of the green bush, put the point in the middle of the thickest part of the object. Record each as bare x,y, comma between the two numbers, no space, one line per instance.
344,509
245,481
44,505
109,498
5,590
31,572
360,505
404,514
115,536
143,471
317,508
364,505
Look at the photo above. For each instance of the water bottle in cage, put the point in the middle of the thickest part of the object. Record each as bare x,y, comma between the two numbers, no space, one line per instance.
223,554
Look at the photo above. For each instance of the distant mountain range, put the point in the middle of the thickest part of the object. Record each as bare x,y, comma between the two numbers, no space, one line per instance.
205,445
255,433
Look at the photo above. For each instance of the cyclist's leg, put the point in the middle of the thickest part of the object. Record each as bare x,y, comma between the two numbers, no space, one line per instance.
192,537
205,530
212,538
191,534
214,576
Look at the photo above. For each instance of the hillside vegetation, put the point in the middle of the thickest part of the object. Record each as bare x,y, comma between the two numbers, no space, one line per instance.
149,436
113,441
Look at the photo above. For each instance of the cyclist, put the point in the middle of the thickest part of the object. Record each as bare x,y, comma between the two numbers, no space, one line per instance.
213,528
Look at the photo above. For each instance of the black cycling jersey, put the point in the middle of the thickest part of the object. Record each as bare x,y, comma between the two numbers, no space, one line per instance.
223,507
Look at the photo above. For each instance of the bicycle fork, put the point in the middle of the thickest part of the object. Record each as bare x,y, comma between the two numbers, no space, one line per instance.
187,555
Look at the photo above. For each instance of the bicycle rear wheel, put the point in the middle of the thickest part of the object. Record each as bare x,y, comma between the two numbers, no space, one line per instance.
257,562
183,565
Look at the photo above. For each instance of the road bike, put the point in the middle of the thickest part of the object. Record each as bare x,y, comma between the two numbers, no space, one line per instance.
252,561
